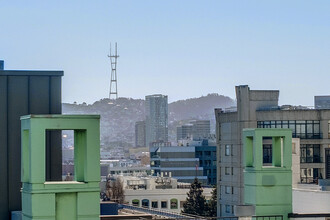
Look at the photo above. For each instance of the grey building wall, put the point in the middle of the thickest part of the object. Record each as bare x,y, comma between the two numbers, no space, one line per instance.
23,93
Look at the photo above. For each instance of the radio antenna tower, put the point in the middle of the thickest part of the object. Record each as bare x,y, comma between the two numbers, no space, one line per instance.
113,80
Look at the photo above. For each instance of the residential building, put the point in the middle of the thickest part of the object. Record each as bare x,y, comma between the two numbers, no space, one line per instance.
156,118
259,109
140,134
322,102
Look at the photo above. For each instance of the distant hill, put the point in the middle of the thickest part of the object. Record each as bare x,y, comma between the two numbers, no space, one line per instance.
118,116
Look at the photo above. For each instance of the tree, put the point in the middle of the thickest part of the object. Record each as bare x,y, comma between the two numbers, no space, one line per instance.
195,203
211,210
115,190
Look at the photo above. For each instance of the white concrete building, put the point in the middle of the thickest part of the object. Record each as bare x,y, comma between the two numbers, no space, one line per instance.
163,193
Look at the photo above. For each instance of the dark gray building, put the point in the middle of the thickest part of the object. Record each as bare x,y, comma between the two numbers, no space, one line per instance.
25,92
322,102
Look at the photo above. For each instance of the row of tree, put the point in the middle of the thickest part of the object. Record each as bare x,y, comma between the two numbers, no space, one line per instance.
196,203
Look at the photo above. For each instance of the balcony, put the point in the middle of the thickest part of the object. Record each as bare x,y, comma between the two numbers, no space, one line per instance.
311,159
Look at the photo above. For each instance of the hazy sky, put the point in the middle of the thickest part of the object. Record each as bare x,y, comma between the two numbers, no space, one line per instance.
182,48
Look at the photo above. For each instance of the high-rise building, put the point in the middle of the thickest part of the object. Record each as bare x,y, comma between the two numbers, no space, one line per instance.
259,109
140,134
156,119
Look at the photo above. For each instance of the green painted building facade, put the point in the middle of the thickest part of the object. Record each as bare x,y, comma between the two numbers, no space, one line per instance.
78,199
268,187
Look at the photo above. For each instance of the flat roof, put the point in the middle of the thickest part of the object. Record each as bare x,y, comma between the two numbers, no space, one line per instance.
31,73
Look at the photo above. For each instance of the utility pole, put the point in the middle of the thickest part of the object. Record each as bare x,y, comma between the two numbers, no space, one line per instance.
113,80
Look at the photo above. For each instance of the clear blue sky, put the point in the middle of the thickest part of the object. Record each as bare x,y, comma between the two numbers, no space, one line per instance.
180,48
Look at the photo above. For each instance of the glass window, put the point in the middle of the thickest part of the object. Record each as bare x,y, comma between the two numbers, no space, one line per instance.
267,154
135,202
174,204
227,170
316,126
154,204
163,204
310,153
285,124
227,150
145,203
228,209
229,190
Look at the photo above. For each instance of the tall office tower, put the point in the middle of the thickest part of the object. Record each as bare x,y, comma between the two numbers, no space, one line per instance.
322,102
201,129
259,109
156,119
140,134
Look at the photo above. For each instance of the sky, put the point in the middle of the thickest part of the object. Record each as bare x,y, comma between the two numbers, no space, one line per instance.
183,49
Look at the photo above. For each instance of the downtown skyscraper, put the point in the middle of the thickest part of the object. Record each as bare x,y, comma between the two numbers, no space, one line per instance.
156,119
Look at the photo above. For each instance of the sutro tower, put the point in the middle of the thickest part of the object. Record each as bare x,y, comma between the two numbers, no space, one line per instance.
113,80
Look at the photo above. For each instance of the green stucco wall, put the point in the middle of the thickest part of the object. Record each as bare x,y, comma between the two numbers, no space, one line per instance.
78,199
268,188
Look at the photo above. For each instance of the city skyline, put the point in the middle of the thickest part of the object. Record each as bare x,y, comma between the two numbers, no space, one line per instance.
182,49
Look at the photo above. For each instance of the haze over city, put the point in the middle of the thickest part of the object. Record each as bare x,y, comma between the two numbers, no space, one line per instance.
180,48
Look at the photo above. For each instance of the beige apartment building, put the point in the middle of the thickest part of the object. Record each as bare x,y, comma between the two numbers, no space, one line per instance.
259,109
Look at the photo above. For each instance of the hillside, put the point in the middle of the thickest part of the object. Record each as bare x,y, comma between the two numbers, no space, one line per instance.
118,116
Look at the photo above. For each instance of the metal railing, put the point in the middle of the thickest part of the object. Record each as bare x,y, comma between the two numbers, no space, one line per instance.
311,159
154,211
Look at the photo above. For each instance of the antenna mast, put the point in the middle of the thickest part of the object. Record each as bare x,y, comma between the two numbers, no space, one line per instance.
113,80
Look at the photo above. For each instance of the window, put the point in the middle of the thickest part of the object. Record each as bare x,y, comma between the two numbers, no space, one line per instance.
174,204
228,209
304,129
310,153
154,204
267,154
163,204
227,170
227,150
229,190
309,175
145,203
135,202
